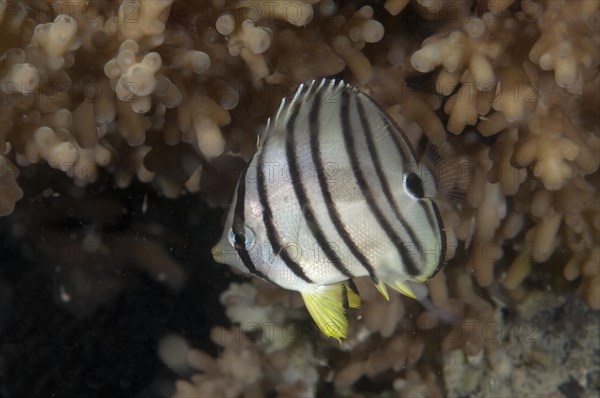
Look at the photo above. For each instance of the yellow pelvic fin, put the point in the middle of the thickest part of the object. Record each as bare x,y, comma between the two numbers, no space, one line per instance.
352,295
326,305
383,290
403,288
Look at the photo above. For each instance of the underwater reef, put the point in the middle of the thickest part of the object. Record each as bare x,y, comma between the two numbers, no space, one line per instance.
124,126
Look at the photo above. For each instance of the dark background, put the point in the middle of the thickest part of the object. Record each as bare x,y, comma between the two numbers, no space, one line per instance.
110,348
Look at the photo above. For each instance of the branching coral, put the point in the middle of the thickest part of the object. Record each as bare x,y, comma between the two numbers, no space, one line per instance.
250,42
545,134
476,63
569,41
63,64
388,343
264,347
133,81
52,43
560,145
139,20
269,343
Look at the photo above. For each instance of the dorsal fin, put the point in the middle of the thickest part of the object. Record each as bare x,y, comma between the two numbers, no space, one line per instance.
306,91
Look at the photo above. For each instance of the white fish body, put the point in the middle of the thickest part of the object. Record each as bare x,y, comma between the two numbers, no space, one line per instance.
333,192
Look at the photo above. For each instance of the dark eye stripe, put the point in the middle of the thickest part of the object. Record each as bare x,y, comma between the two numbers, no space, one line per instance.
239,230
238,213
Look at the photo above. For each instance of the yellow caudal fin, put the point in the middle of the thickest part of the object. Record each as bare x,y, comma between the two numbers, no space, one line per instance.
326,305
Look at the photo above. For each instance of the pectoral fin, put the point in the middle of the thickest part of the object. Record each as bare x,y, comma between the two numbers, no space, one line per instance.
326,305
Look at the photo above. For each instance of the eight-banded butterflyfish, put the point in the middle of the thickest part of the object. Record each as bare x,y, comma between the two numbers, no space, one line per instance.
334,192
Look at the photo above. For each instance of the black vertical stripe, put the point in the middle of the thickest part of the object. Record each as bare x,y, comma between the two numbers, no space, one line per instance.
383,178
432,223
402,148
238,212
272,233
347,129
238,227
442,239
299,184
401,141
333,212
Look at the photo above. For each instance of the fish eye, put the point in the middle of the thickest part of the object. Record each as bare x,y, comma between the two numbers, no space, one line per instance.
242,240
414,185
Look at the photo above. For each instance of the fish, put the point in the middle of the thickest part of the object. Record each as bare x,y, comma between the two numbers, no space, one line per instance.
334,192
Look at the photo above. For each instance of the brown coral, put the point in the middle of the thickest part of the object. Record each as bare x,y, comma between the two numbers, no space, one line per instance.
160,72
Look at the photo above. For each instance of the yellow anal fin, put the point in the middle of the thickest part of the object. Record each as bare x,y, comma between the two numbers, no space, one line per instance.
352,295
383,290
326,306
403,288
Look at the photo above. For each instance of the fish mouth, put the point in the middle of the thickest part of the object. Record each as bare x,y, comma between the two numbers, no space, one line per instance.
217,253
